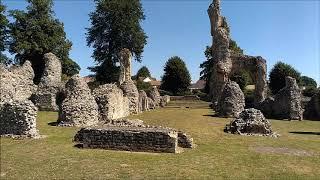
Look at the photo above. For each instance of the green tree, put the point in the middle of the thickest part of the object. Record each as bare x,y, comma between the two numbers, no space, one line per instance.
277,76
176,78
36,32
115,24
207,65
3,34
241,78
143,85
143,72
307,82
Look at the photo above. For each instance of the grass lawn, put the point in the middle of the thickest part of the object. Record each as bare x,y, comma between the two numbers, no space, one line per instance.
217,156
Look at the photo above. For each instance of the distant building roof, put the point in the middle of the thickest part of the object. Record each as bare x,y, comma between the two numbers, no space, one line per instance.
200,84
89,78
155,83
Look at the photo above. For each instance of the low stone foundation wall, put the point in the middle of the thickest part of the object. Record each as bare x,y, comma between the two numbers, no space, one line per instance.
129,139
184,140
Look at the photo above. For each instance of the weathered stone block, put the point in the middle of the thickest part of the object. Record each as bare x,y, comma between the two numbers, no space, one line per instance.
16,82
18,119
143,101
286,104
79,108
130,90
232,101
129,139
250,122
111,102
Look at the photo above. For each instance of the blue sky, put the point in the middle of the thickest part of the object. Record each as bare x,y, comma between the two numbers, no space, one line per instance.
276,30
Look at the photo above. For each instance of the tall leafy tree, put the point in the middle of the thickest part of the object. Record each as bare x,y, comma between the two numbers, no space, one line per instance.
143,72
35,32
3,33
277,76
176,78
207,65
115,24
308,82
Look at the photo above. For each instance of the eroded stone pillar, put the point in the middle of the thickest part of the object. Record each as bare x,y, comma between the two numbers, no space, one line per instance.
220,51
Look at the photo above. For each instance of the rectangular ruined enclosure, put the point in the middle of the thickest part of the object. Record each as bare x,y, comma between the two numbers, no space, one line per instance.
129,139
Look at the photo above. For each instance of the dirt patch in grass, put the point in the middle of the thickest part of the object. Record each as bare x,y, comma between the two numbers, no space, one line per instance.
282,150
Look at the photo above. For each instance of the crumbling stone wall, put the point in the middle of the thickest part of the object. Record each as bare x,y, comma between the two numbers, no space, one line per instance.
221,53
232,101
52,72
226,64
286,104
79,108
250,122
164,100
129,139
151,103
125,65
126,84
18,119
16,82
257,66
130,90
111,102
312,109
155,96
143,101
184,140
50,84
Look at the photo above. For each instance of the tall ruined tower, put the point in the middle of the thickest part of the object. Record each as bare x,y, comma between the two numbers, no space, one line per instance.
220,51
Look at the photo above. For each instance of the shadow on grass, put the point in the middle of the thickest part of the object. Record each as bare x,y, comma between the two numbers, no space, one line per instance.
307,133
55,123
211,115
80,146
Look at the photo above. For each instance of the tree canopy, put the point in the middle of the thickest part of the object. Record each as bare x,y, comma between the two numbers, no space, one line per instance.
3,33
115,24
35,32
176,78
308,82
277,76
143,72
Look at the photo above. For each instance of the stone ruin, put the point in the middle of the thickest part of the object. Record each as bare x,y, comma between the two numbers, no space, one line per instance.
143,101
126,84
231,102
286,104
133,136
164,100
17,113
129,139
130,90
155,96
312,109
50,86
16,82
111,102
250,122
18,119
79,108
226,64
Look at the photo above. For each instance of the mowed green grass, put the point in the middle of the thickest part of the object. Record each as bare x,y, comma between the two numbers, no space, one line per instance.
218,155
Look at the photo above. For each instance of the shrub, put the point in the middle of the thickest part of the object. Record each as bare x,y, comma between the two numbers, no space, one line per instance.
277,76
143,85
